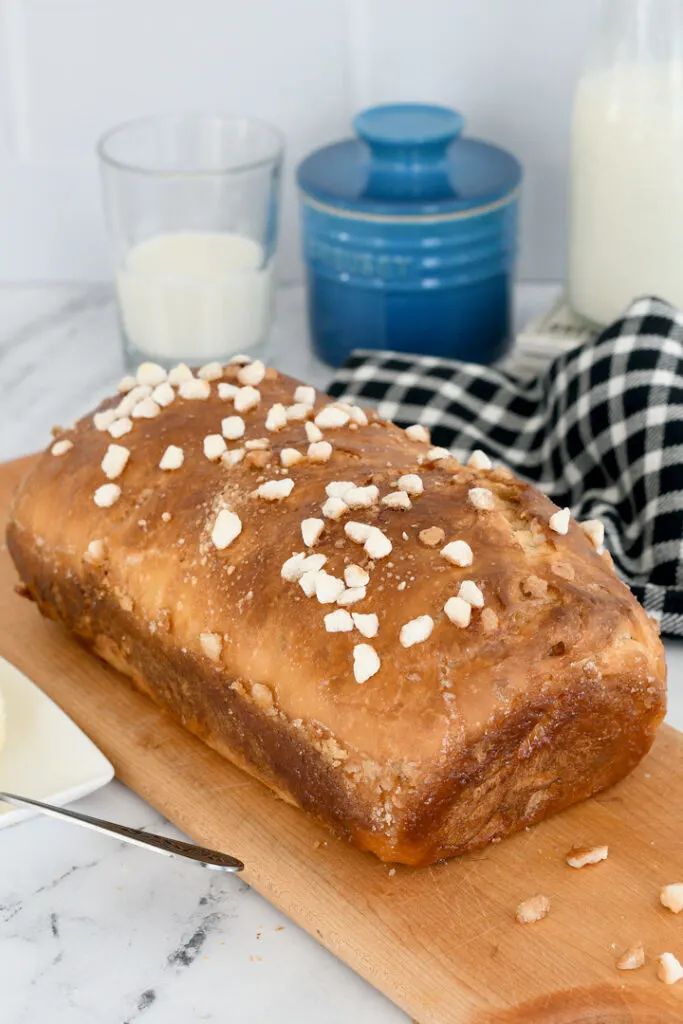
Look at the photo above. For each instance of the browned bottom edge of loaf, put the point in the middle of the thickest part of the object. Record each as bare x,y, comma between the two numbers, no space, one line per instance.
541,759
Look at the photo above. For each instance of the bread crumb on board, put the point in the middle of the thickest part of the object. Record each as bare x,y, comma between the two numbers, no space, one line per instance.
671,897
669,970
632,958
532,910
580,856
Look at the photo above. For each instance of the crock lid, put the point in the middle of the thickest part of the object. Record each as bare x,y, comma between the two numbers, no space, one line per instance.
409,159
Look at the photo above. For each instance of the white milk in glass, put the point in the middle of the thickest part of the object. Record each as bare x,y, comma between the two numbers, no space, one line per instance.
626,206
195,295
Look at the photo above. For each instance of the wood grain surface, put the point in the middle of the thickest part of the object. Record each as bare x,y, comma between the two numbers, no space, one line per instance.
440,941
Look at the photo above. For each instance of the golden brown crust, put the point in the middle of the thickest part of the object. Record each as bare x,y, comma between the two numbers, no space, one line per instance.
552,692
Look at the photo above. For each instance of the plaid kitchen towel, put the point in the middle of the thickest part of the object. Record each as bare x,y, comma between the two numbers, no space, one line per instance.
600,430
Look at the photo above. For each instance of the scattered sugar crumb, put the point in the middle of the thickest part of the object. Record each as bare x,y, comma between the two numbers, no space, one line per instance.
671,897
532,910
632,958
669,969
580,856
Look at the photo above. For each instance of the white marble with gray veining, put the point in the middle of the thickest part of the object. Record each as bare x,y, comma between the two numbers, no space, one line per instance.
92,931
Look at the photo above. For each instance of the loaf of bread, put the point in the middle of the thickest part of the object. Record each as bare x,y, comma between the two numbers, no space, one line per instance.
424,655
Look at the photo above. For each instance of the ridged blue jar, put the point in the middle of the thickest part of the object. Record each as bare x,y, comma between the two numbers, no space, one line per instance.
410,238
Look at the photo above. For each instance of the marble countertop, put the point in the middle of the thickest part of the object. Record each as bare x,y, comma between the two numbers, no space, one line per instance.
95,932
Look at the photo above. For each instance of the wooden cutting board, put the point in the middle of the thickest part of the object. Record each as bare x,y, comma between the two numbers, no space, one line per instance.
440,941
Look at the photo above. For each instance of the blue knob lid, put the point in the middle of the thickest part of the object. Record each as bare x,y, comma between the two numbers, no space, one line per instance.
402,128
409,159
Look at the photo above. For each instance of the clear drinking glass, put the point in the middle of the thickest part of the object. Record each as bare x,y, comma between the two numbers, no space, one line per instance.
191,202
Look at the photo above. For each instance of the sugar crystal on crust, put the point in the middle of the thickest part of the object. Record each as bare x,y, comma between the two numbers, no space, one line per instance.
173,458
194,390
62,447
366,662
416,631
417,432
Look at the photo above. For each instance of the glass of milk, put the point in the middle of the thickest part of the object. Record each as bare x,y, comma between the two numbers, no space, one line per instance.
626,192
192,206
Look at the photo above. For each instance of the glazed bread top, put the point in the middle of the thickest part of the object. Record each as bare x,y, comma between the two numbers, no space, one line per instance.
547,611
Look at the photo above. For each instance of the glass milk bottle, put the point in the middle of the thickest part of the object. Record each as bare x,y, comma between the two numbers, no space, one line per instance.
626,192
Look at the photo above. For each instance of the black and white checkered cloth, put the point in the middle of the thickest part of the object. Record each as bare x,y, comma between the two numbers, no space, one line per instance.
601,430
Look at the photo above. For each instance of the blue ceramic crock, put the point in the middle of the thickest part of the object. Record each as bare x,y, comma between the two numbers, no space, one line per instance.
410,237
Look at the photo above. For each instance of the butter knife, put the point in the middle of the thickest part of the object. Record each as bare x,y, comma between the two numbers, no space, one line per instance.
135,836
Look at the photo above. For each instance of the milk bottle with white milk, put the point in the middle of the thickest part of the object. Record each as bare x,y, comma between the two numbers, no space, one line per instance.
626,191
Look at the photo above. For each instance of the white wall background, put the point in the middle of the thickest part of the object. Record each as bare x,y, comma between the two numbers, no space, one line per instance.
69,69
